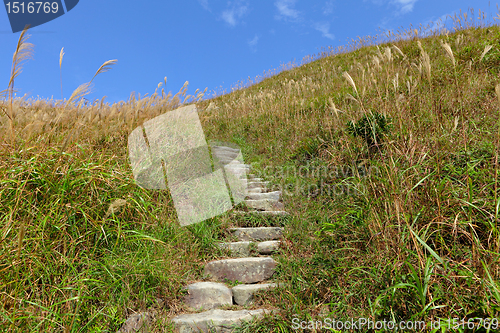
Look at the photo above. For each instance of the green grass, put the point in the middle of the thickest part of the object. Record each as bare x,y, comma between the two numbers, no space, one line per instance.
407,230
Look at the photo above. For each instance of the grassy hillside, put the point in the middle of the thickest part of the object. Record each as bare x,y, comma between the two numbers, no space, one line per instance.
387,156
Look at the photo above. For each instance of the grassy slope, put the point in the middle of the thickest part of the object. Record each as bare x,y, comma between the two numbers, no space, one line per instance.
433,182
405,231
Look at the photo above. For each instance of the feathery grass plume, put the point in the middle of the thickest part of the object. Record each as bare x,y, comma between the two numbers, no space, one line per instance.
24,51
449,52
426,61
82,90
398,50
351,81
115,207
388,54
61,54
376,62
497,91
334,107
163,95
459,40
85,88
487,48
395,82
104,68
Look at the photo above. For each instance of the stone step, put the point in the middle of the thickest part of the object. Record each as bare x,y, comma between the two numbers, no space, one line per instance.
244,270
254,184
207,296
225,160
257,179
276,195
219,151
258,233
243,293
264,204
238,173
255,190
225,153
220,321
262,212
225,149
139,322
242,249
268,247
239,163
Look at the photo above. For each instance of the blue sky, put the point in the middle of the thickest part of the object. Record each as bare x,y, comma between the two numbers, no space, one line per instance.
212,44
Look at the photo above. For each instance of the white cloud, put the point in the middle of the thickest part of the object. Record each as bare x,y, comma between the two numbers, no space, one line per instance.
324,28
328,8
236,11
204,4
406,5
253,43
286,10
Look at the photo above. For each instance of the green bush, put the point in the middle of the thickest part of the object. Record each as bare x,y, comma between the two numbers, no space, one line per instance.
371,127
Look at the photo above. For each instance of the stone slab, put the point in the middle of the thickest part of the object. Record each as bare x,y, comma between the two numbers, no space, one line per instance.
276,196
265,204
225,148
253,184
138,322
244,270
207,295
243,293
258,233
262,212
220,321
237,248
268,247
255,190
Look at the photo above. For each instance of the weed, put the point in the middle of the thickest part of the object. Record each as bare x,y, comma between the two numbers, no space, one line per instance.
371,127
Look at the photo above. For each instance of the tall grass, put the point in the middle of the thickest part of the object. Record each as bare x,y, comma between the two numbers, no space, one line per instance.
24,51
407,239
407,232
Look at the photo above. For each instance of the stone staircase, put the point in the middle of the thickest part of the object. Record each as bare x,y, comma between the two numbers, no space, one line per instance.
251,263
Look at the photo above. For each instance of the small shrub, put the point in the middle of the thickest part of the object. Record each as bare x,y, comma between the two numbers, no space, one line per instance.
371,127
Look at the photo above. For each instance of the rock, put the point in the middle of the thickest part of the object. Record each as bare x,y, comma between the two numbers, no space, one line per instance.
245,270
220,321
268,247
257,234
274,213
237,248
254,184
208,295
258,180
255,190
220,149
276,196
262,212
139,322
265,204
243,293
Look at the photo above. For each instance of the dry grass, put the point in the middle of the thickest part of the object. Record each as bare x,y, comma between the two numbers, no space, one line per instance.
411,232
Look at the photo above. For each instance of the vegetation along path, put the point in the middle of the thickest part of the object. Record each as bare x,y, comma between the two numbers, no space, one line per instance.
245,274
386,156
